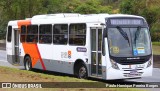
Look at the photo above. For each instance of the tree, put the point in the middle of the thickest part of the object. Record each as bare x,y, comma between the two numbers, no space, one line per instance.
92,6
21,9
146,8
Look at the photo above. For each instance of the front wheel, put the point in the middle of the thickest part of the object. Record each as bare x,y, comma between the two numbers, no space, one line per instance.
27,63
82,72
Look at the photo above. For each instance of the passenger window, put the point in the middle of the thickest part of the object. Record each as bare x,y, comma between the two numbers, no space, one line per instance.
32,33
45,33
23,33
9,35
60,34
77,34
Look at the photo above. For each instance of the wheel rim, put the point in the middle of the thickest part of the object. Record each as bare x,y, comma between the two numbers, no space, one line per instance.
82,72
28,65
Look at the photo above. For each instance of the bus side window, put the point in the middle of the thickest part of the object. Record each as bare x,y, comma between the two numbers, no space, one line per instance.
77,34
60,34
23,33
9,34
45,33
32,33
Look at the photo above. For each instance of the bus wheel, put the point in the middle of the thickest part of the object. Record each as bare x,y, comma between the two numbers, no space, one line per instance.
82,72
27,63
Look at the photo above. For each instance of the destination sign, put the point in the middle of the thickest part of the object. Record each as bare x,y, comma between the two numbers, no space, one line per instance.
126,22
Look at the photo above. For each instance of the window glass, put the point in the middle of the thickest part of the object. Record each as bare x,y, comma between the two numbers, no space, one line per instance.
23,33
77,34
32,33
129,42
32,29
45,33
23,29
60,34
9,36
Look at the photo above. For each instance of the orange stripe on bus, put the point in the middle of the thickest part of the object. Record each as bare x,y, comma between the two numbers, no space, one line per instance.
43,66
23,22
32,51
31,48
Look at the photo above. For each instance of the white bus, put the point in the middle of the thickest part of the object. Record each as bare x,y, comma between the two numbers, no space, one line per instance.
96,45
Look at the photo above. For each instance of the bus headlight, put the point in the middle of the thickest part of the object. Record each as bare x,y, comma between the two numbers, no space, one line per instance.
150,62
114,64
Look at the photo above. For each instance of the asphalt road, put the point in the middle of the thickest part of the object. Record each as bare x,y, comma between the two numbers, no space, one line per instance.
154,78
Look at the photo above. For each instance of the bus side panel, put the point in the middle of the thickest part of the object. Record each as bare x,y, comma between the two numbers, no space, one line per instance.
54,59
56,65
74,55
10,47
62,62
21,54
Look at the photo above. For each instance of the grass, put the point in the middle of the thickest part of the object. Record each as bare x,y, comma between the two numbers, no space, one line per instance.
156,43
31,76
16,75
156,48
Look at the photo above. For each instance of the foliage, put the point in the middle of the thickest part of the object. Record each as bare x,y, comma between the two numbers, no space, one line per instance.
156,43
21,9
88,7
17,9
126,7
149,9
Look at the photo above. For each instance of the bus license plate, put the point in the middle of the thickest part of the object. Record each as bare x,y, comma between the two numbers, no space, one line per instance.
134,73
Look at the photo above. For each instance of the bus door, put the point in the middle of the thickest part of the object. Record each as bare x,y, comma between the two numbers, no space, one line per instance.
96,62
16,46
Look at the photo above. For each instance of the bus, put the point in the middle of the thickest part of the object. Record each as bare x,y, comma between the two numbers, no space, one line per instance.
103,46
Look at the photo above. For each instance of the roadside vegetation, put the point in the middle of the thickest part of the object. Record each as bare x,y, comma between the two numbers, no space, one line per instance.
156,48
16,75
22,9
156,43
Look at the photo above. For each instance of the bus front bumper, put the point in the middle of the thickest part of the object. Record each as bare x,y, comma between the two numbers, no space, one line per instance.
113,74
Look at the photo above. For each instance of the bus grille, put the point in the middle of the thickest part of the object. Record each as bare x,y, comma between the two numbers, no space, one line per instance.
128,62
131,61
128,72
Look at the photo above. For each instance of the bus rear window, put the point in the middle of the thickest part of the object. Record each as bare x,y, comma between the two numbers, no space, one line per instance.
9,34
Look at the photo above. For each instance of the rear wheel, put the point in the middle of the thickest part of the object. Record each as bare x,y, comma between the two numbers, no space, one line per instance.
27,63
82,72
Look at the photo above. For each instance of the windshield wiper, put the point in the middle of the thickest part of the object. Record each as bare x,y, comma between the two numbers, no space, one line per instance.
124,34
137,33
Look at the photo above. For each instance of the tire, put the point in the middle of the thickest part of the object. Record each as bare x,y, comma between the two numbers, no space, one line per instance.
27,63
82,72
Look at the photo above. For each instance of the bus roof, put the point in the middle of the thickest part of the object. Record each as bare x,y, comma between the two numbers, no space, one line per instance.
71,18
123,15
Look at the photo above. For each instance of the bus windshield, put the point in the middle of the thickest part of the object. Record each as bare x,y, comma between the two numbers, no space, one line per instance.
129,42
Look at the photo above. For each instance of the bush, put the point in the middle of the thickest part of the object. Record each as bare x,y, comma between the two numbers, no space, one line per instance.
148,9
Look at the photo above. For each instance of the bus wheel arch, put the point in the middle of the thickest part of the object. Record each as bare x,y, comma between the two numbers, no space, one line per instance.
80,69
27,62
